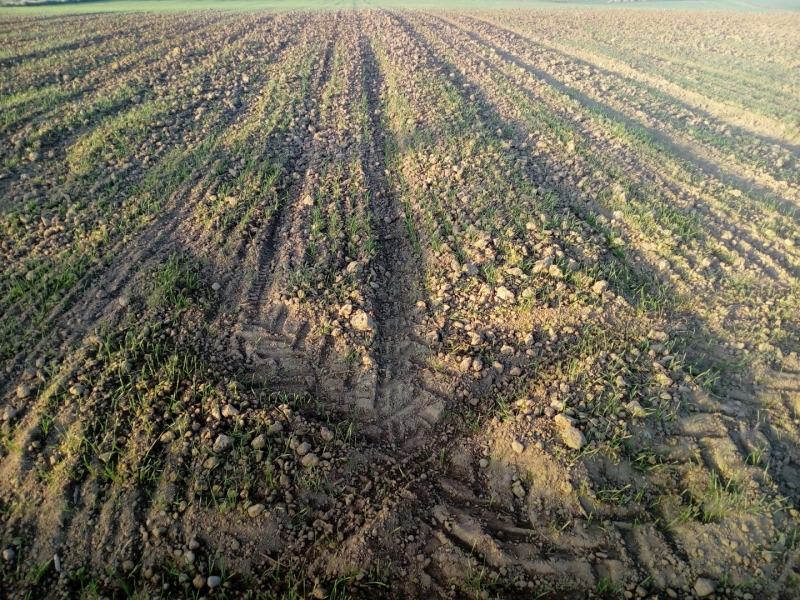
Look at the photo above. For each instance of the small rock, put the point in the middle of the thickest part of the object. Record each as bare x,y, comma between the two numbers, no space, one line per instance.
23,390
563,421
101,294
229,411
704,587
518,490
483,463
310,460
213,581
30,276
515,372
216,287
188,557
259,443
303,449
167,437
507,350
361,321
199,581
326,434
223,443
124,301
128,566
636,410
573,437
77,390
599,287
517,447
504,294
255,510
658,336
465,364
9,554
274,429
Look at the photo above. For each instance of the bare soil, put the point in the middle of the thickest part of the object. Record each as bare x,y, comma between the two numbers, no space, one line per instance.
400,304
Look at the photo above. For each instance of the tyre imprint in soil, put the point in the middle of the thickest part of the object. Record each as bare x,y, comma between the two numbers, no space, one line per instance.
166,234
764,259
713,163
402,406
462,507
270,332
764,126
162,236
517,514
104,84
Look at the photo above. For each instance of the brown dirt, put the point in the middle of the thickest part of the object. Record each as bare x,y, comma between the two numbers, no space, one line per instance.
399,304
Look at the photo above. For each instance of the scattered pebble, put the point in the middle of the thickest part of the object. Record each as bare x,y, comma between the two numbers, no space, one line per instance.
223,443
704,587
310,460
573,437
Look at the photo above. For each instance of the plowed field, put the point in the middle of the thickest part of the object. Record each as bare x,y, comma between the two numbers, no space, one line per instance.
400,304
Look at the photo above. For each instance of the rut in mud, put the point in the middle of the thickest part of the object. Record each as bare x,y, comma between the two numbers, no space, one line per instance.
399,304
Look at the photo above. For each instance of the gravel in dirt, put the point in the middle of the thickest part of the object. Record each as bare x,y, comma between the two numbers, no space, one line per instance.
400,304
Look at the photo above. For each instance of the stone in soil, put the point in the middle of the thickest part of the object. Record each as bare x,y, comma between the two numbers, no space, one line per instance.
361,321
310,460
573,437
223,443
704,587
229,410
